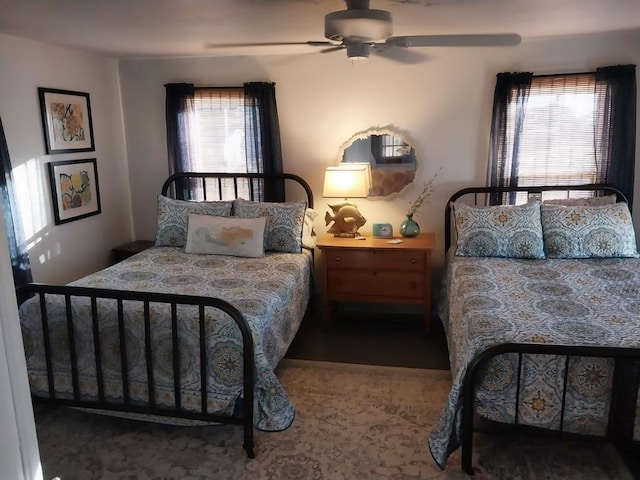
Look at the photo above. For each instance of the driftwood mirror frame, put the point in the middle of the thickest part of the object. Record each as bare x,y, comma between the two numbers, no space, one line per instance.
392,176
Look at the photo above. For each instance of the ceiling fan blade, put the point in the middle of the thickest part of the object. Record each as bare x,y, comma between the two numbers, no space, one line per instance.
333,49
398,54
470,40
322,44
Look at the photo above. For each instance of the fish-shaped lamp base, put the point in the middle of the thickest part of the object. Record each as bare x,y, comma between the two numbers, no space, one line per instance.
346,219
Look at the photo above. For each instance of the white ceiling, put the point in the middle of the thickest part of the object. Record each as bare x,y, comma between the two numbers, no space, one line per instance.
149,28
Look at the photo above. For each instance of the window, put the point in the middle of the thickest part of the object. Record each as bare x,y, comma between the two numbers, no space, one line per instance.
218,136
565,129
390,149
218,133
558,134
230,130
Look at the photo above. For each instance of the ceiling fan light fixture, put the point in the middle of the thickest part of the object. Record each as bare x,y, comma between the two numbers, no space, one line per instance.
358,51
358,25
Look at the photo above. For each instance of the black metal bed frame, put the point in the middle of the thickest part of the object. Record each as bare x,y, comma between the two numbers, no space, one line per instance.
243,416
626,376
218,178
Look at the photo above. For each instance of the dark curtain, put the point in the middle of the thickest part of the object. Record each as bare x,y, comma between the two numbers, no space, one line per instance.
262,137
616,125
511,88
17,249
179,107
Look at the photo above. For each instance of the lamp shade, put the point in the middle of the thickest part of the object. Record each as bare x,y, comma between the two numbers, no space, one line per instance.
347,181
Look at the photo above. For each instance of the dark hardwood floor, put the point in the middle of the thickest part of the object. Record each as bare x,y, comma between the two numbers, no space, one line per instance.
370,337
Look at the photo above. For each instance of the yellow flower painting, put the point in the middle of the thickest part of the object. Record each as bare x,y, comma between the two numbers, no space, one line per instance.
74,188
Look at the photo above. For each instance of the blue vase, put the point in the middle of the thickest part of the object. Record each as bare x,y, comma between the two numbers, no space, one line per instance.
409,228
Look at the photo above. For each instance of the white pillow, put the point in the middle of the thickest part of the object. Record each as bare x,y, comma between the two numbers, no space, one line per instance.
583,202
309,237
239,237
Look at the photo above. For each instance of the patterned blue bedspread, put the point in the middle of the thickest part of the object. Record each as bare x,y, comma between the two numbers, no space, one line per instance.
272,293
488,301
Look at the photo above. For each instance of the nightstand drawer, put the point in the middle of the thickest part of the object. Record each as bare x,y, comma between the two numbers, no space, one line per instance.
378,283
380,260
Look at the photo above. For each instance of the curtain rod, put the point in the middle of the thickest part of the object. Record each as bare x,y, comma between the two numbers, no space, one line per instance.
216,86
567,74
206,86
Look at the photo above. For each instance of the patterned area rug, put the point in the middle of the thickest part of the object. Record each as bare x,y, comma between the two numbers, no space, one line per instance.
352,422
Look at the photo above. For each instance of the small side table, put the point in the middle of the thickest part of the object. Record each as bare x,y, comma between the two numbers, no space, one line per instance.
375,271
129,249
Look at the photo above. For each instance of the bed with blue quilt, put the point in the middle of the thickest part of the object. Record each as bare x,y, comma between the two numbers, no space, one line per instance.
540,303
193,327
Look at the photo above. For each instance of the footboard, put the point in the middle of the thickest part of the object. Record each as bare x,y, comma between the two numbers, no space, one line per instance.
156,402
622,409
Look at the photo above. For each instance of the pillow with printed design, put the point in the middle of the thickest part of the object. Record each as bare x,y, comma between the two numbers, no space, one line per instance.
238,237
512,231
173,218
588,232
285,221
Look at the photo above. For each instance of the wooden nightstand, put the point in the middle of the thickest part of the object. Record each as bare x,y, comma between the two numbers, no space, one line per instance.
375,271
129,249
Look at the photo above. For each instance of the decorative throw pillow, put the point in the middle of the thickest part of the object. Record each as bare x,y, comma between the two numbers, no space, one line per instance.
583,202
498,231
173,216
283,232
239,237
309,237
586,232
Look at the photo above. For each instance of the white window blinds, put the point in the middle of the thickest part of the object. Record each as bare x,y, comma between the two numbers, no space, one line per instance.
559,131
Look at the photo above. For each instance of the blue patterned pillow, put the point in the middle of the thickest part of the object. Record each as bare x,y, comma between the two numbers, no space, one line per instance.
513,231
283,232
173,218
588,232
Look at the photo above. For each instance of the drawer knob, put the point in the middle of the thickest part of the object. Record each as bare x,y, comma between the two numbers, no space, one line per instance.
337,259
413,260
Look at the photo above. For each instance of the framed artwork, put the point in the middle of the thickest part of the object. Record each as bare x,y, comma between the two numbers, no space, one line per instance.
74,189
382,230
66,121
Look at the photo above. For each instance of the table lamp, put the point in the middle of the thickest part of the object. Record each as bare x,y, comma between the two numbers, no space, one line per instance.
349,180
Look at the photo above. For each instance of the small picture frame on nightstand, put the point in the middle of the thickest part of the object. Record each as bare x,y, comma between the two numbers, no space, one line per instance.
382,230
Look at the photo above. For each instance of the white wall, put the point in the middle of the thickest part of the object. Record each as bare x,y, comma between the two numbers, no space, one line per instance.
62,253
443,105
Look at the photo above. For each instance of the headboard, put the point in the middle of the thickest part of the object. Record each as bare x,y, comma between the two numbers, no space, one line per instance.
234,181
481,194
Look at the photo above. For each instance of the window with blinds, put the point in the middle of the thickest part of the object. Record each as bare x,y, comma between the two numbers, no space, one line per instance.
218,136
559,132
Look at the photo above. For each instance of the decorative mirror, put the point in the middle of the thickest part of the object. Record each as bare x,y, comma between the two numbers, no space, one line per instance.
392,158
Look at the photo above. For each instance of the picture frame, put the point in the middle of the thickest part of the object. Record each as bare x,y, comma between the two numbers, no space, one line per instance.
74,189
66,121
382,230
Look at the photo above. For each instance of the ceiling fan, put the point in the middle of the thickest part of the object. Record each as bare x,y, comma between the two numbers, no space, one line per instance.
361,30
